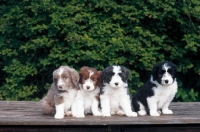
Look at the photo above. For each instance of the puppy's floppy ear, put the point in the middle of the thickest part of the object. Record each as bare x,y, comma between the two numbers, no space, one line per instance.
174,69
155,72
75,77
127,73
54,73
104,75
99,81
80,78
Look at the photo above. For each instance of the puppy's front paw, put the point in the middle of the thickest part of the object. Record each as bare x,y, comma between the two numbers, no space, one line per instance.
142,112
132,114
167,111
80,116
154,113
106,114
159,112
120,112
68,113
59,116
112,112
97,113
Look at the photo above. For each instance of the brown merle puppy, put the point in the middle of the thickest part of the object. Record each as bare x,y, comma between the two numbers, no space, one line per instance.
61,95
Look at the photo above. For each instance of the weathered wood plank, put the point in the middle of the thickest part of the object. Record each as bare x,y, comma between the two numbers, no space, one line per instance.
29,113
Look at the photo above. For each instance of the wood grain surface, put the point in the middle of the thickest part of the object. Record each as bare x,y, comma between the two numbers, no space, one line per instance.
29,113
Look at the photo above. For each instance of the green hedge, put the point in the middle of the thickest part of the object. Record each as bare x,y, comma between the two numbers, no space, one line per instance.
37,36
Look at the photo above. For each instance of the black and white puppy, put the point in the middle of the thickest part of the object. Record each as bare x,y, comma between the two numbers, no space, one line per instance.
158,92
114,96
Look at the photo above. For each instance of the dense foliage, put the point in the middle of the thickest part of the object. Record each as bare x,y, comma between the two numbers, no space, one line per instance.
37,36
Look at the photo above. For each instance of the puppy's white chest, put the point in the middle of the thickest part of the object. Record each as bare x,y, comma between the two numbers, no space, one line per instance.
87,103
114,101
115,96
69,98
165,94
88,97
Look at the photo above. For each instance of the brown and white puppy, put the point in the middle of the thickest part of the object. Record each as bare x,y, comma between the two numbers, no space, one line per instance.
87,99
61,95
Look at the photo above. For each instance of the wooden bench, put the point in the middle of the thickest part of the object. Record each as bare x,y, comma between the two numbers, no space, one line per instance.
21,116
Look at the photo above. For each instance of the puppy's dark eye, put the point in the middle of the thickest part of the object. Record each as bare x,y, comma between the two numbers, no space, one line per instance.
163,71
111,73
169,71
120,74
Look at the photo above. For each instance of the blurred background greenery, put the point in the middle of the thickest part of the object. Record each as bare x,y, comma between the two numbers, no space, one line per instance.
37,36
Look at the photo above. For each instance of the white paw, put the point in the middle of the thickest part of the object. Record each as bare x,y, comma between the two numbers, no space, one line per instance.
68,113
59,116
154,113
112,112
159,112
142,112
106,114
132,114
120,112
97,114
80,116
167,112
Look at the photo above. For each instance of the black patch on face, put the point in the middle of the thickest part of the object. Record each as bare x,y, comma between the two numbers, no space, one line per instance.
107,74
158,71
124,74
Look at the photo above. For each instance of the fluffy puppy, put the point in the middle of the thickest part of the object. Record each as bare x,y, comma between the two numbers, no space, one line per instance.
61,95
158,92
87,99
114,95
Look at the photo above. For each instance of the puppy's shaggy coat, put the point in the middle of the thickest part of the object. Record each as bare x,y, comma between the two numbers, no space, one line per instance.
114,95
61,95
158,92
87,99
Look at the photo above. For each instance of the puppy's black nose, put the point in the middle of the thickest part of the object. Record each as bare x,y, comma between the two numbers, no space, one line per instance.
166,81
88,87
116,84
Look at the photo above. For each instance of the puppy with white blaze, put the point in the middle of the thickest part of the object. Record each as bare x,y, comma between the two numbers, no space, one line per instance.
87,99
114,96
158,92
61,95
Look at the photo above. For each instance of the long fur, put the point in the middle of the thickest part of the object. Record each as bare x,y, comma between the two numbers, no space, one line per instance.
87,99
114,96
61,95
158,92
